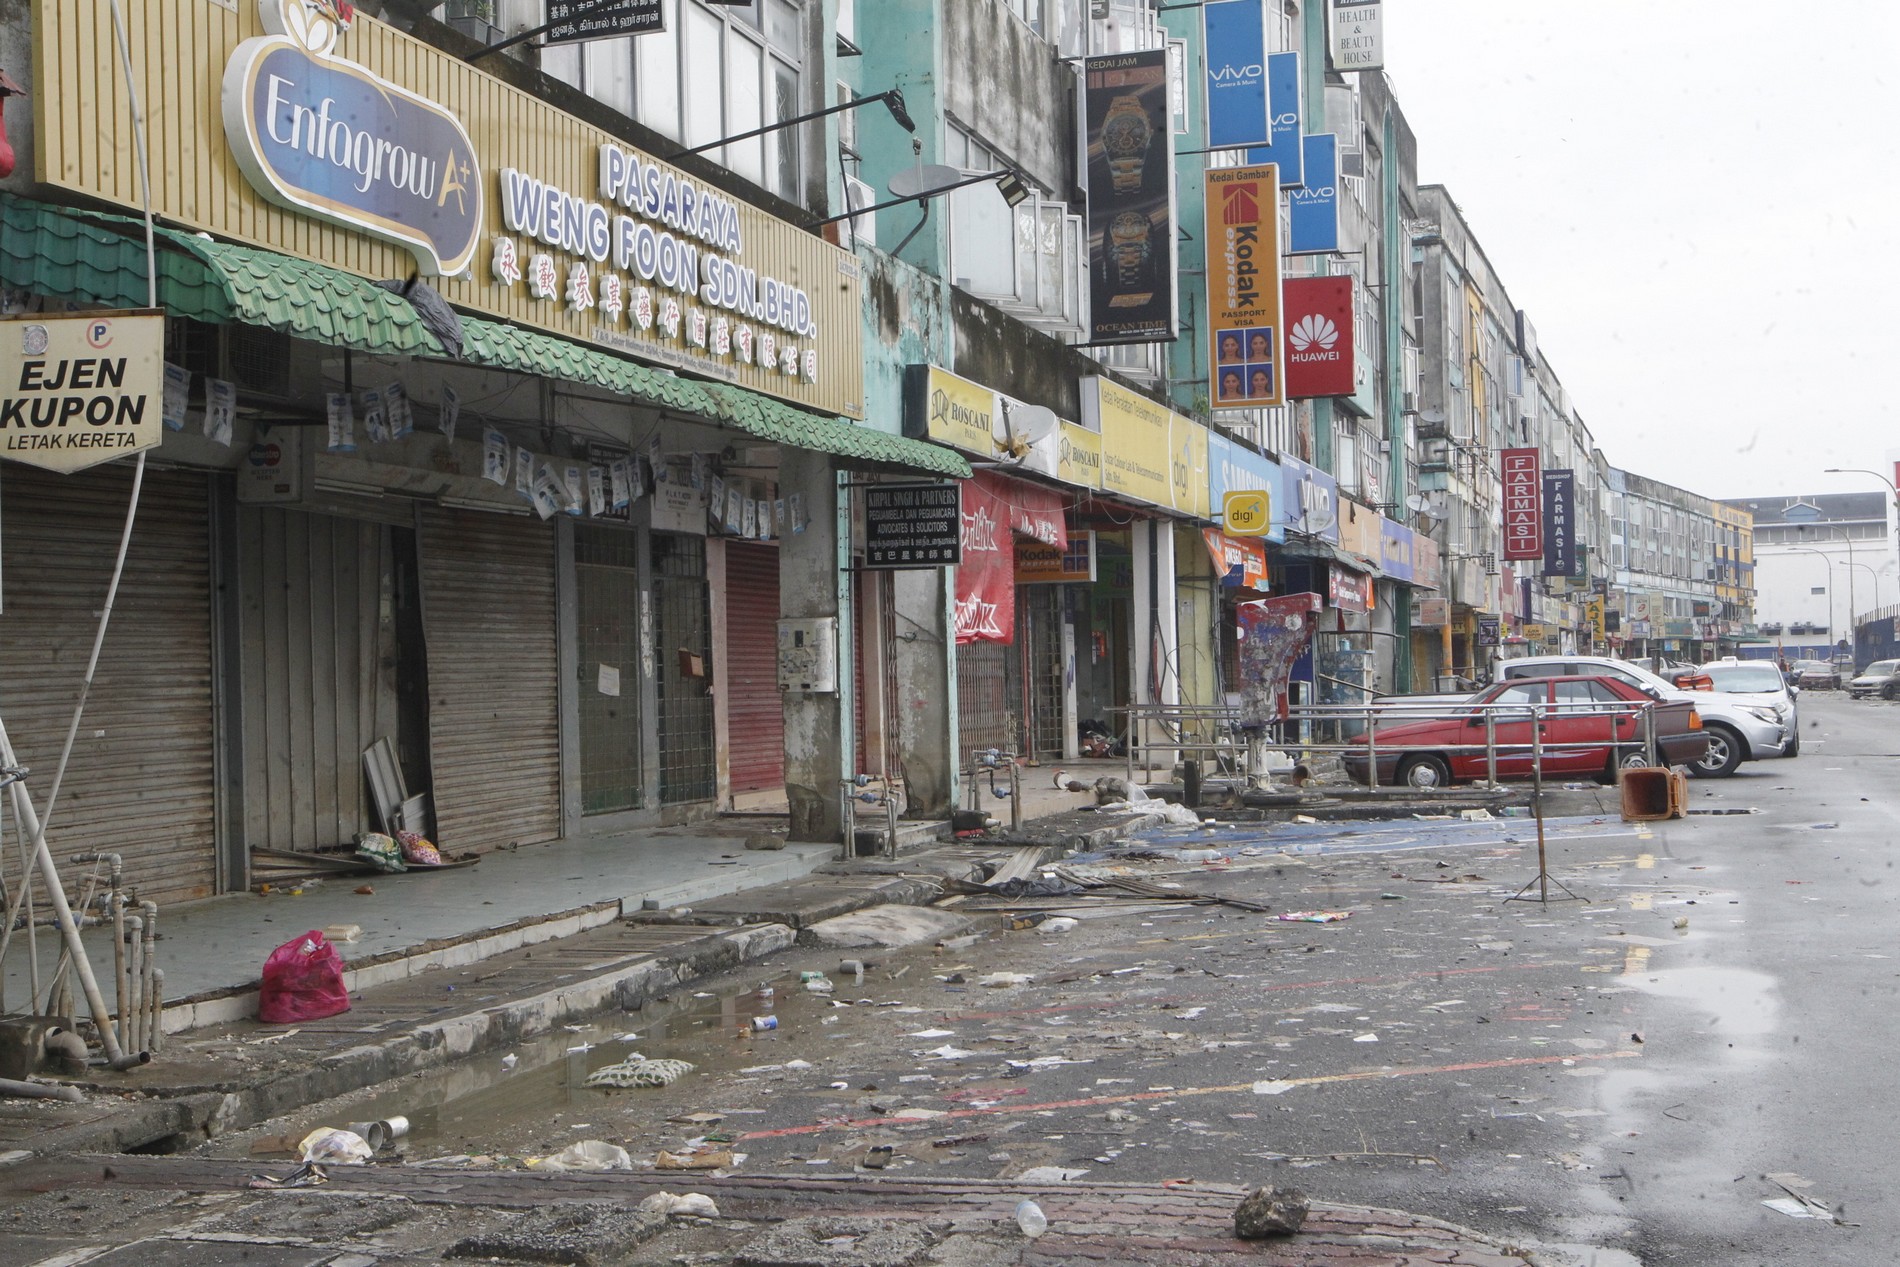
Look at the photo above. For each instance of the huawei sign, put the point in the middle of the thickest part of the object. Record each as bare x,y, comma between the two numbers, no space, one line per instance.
1319,331
1312,331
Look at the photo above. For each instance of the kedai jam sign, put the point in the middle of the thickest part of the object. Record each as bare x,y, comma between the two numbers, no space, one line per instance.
319,134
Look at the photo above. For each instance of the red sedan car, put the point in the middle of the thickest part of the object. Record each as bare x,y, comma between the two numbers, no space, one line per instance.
1591,726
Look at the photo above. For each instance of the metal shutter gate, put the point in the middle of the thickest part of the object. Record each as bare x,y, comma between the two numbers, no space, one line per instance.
319,673
984,717
755,713
494,710
141,779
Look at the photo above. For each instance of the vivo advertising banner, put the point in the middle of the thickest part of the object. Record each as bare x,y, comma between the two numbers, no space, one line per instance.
1309,500
1358,34
1243,287
1284,121
1313,211
1560,523
1235,32
1130,127
1319,337
1523,521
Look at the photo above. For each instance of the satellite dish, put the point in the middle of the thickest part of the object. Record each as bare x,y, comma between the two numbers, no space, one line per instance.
1031,424
1434,416
1428,505
924,179
1417,503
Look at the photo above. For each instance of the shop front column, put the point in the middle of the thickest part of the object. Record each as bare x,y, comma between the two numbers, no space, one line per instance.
926,688
813,585
1156,661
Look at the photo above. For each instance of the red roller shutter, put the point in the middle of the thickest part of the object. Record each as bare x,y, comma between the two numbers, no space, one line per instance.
755,715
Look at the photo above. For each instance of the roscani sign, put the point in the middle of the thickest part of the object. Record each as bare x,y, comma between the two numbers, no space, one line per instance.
319,134
81,390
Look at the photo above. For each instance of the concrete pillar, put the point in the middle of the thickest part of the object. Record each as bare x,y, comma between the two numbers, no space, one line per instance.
814,582
1156,661
926,687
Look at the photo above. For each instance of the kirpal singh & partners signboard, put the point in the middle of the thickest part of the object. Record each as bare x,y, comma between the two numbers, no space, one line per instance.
339,139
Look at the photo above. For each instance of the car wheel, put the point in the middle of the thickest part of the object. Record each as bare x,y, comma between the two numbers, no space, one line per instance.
1724,754
1887,691
1424,772
1635,759
1794,746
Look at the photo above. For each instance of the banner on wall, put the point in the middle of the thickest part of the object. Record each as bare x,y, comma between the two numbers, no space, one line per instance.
1235,37
1312,212
1523,491
1319,337
1560,523
1239,562
1243,287
995,510
1284,118
1129,119
1358,34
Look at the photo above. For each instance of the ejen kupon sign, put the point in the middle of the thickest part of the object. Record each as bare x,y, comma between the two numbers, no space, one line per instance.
76,391
1319,337
1243,287
347,142
1523,510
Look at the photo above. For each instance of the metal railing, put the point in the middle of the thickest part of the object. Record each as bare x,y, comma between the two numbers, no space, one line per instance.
1178,732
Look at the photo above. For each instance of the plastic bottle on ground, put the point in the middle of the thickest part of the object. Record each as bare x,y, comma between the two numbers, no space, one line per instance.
1031,1219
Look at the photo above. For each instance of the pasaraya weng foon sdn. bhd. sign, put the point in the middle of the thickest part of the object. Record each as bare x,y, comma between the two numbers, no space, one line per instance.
323,135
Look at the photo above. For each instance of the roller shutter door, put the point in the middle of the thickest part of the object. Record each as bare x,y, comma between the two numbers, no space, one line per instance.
141,779
984,716
755,712
494,715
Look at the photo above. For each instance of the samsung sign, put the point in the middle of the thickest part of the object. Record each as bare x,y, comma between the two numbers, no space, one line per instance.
1235,35
318,134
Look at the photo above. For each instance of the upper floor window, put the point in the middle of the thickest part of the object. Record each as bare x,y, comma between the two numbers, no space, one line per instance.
713,72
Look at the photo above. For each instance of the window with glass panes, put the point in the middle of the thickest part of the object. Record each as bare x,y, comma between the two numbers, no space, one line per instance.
713,72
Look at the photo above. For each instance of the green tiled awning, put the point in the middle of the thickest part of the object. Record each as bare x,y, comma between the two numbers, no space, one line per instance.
527,352
99,258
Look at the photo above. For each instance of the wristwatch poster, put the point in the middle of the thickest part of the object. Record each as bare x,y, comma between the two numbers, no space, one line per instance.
1131,212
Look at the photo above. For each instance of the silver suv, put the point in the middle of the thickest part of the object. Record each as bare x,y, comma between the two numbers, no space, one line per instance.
1737,731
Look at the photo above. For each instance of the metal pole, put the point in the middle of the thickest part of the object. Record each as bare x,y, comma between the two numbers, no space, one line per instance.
1537,800
1649,733
1372,749
1490,746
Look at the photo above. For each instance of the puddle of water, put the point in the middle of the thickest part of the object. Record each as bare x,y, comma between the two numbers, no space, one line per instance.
471,1099
1742,1003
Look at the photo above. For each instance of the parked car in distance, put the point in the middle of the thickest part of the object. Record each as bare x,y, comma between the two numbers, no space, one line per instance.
1881,678
1737,732
1690,678
1592,726
1815,675
1758,687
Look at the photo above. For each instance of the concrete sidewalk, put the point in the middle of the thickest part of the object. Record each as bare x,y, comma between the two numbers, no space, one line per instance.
213,951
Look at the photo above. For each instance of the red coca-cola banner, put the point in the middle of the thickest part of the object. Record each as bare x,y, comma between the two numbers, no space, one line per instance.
1319,331
995,509
1523,505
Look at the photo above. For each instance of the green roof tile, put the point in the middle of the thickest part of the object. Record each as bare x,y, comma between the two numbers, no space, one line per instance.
99,258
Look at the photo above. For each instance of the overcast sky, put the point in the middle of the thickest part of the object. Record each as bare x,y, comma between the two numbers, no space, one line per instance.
1698,204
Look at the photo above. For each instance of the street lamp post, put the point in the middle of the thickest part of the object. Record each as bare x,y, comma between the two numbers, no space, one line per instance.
1893,489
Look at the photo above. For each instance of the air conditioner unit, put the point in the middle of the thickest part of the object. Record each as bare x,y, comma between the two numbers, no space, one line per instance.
858,194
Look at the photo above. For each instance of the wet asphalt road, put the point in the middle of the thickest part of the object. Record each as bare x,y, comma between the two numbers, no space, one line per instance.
1622,1071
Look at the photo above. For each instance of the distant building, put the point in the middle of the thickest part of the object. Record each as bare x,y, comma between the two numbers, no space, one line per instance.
1824,561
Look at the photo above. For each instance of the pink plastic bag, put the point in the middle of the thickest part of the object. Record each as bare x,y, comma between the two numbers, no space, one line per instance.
303,981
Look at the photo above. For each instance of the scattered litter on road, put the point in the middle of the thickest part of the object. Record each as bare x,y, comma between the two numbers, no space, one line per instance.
1030,1219
695,1161
329,1145
693,1204
1060,924
586,1154
634,1072
1366,1038
1005,980
1314,917
1050,1174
